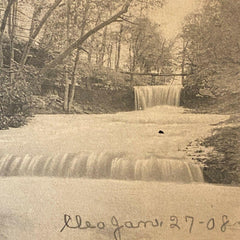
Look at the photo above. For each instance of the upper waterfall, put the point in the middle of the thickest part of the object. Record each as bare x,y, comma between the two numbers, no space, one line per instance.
149,96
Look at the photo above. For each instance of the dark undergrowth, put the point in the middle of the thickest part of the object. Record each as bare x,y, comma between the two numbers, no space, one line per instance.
15,101
222,165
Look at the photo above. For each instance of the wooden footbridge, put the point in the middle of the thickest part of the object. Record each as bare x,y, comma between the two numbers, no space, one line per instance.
154,75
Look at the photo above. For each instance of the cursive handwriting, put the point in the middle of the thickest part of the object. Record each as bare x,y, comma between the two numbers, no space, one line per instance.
76,222
68,222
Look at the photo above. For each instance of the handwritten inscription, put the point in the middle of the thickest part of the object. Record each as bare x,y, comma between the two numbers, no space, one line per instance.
76,222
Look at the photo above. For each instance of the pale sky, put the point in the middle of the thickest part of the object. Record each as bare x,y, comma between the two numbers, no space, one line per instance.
171,16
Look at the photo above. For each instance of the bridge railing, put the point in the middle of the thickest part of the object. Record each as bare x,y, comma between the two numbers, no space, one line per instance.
165,78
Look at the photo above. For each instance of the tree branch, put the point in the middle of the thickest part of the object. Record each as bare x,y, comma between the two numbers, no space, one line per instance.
82,39
6,13
126,20
3,26
37,30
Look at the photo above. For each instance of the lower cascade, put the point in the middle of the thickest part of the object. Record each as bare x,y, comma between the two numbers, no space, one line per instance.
101,165
149,96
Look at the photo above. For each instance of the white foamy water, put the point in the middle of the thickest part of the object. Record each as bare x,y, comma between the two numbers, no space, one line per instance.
150,96
117,146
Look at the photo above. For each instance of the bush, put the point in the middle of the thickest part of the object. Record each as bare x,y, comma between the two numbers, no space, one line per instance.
3,122
103,77
15,101
223,164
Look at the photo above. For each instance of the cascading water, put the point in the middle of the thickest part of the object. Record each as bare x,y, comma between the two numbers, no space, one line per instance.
118,146
101,165
149,96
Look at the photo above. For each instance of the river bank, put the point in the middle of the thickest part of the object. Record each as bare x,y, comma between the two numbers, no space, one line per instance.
97,100
219,152
125,145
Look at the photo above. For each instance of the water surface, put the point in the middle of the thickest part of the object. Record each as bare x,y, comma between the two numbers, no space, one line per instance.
123,145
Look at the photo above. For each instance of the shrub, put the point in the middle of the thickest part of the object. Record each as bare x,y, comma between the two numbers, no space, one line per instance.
223,164
15,101
99,76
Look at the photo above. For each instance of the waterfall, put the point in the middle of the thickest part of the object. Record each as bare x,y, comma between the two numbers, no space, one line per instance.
149,96
133,149
101,165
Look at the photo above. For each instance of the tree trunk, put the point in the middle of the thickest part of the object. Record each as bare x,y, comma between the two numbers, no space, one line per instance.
110,48
183,59
119,47
103,47
3,26
74,80
130,56
12,29
82,39
115,55
90,54
66,92
73,83
36,32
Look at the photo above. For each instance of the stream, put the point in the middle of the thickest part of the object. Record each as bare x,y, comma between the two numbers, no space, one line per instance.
113,176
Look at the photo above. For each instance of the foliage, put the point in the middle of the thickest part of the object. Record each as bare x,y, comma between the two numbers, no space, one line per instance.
85,16
87,12
66,28
95,75
106,77
15,101
223,164
212,47
37,56
150,51
3,121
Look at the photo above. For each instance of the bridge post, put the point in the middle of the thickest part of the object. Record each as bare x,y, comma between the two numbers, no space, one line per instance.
153,80
131,79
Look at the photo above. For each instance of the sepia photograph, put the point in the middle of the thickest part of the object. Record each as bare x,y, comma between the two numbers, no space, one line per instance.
119,119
